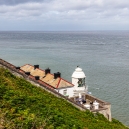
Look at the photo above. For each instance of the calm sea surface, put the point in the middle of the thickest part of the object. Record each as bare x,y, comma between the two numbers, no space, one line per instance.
104,57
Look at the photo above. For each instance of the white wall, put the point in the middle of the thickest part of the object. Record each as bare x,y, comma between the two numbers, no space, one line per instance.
69,91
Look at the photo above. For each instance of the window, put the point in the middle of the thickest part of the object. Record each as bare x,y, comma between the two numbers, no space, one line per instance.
65,92
81,82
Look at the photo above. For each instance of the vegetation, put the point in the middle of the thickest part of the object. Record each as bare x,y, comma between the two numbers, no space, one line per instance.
24,106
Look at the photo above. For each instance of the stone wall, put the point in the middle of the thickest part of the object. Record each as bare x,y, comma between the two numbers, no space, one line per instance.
104,107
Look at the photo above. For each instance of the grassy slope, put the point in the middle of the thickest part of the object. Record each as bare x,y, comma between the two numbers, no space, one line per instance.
24,106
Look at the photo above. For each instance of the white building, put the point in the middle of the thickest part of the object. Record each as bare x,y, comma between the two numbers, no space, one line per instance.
77,87
54,81
78,80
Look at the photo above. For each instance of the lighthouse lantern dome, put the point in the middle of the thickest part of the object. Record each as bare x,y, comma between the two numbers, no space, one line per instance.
78,73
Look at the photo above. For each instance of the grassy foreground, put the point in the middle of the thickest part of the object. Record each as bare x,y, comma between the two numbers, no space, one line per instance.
24,106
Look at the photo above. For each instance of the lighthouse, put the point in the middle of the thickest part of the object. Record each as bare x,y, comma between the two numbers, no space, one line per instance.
78,80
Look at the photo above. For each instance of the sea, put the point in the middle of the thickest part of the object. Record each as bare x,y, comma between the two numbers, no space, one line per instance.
102,55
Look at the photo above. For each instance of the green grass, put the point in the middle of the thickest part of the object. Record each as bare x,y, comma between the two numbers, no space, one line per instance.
24,106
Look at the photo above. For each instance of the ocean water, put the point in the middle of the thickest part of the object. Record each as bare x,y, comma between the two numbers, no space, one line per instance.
103,56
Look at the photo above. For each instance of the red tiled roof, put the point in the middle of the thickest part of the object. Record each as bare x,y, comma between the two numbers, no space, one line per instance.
48,78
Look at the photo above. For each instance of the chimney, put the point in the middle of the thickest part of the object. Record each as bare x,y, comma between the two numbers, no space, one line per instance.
36,77
56,75
47,71
36,66
27,73
18,67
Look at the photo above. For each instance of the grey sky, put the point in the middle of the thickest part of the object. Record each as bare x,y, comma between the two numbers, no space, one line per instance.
64,15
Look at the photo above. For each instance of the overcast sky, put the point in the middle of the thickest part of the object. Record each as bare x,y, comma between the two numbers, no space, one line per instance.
64,15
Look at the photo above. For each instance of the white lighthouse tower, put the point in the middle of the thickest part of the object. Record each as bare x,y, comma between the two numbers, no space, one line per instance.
78,80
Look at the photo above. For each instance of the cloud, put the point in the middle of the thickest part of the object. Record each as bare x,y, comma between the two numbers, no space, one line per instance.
66,12
15,2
